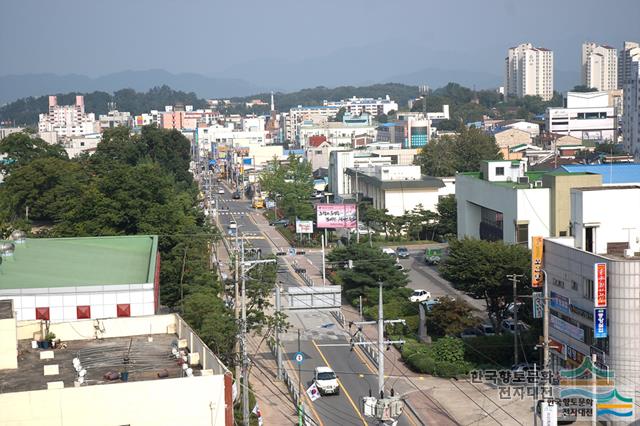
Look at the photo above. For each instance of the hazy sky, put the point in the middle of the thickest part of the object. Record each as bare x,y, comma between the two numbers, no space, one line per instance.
213,37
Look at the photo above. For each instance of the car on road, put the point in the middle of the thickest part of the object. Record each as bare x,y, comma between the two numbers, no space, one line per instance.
233,228
509,326
469,333
486,330
326,381
420,295
433,256
236,195
221,191
399,266
280,222
429,304
523,366
363,230
389,251
402,252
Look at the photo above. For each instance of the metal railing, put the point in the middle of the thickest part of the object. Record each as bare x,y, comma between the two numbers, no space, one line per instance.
303,273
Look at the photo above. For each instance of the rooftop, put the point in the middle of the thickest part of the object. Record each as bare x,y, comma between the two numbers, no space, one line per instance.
611,173
424,182
533,176
97,357
69,262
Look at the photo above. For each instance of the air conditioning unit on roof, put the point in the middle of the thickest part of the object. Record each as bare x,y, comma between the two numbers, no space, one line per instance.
523,179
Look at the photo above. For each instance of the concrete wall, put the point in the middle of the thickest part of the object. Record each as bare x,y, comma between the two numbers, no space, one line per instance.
189,401
8,344
560,198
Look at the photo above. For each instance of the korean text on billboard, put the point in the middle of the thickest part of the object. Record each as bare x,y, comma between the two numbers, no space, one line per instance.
600,282
336,216
537,278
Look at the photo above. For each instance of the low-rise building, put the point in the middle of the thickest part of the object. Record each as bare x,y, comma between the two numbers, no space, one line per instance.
587,116
398,188
116,371
509,138
114,118
6,131
64,279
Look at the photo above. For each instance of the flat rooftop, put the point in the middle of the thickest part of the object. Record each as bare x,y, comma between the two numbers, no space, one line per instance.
533,176
72,262
611,173
98,357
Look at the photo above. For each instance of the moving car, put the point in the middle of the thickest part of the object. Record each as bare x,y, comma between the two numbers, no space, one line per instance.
258,203
236,195
420,296
221,191
280,222
432,256
326,381
402,252
389,251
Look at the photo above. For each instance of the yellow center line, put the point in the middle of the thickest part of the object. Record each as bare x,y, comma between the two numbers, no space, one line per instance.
306,397
344,390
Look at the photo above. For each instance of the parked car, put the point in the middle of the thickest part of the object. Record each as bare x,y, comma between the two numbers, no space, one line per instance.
508,325
429,304
399,266
420,296
326,381
433,256
402,252
510,307
468,333
389,251
280,222
486,330
363,230
221,191
523,366
236,195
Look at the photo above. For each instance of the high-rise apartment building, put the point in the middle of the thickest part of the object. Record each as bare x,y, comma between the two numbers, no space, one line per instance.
68,120
630,50
529,72
631,106
599,66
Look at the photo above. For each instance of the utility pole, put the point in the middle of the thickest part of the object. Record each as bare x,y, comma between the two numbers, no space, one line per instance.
380,344
245,388
514,279
545,324
278,347
357,208
323,261
236,304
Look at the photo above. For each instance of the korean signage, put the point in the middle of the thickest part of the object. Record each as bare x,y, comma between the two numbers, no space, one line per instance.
538,304
574,355
560,302
600,282
336,215
537,279
559,347
567,328
304,226
600,323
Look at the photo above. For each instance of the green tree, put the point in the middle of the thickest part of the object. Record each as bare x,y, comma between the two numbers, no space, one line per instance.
340,115
447,216
450,317
21,148
461,153
583,88
481,267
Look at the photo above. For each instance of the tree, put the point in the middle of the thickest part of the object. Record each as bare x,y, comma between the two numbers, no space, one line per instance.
461,153
450,317
291,185
21,148
340,115
447,216
583,88
481,267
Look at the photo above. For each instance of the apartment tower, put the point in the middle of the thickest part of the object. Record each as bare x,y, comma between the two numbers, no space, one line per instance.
529,72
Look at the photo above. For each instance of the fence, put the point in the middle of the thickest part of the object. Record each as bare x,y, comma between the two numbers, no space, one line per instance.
303,273
292,385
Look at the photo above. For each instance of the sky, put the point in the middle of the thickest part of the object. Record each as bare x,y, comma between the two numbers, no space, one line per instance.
254,40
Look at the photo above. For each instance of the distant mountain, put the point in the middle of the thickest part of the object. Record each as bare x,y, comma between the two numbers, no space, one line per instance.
14,87
437,77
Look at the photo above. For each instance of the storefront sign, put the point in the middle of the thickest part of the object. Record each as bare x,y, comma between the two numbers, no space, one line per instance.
574,355
600,282
560,302
558,347
584,314
567,328
537,279
304,226
600,323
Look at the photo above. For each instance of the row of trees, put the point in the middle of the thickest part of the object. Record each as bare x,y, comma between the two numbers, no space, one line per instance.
131,185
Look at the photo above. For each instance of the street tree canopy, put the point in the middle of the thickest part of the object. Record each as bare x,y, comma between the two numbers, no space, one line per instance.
21,148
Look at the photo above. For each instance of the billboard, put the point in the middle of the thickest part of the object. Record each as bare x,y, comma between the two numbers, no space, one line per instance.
336,215
537,279
600,323
600,283
304,226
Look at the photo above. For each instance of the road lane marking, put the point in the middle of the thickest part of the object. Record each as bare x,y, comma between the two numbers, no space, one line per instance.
306,397
353,404
321,345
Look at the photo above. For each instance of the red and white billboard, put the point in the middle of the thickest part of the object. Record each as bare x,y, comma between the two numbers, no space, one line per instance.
336,215
600,284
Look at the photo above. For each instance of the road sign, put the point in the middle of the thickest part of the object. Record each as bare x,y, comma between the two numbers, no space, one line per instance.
538,304
299,357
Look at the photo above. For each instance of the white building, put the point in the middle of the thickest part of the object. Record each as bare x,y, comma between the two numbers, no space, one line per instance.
229,135
338,133
357,106
630,52
631,115
398,188
6,131
339,161
606,229
68,120
532,128
599,66
588,116
129,364
114,118
529,72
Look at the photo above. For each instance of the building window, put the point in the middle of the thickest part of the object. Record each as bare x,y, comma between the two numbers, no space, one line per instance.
522,233
499,171
124,310
574,285
587,291
42,314
558,283
83,312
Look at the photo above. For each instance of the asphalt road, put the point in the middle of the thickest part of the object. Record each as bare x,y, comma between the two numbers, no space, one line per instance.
322,341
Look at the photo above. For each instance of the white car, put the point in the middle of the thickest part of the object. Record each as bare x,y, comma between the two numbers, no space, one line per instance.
420,296
389,251
326,381
221,191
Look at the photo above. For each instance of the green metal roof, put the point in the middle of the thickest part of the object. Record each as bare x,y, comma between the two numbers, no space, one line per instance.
69,262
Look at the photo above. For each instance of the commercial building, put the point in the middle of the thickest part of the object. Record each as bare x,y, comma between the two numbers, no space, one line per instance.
629,53
148,370
6,131
599,66
587,116
357,106
631,115
529,72
64,279
115,118
605,230
68,120
398,188
338,133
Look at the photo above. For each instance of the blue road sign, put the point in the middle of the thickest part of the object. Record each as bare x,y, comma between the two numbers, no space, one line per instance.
299,357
